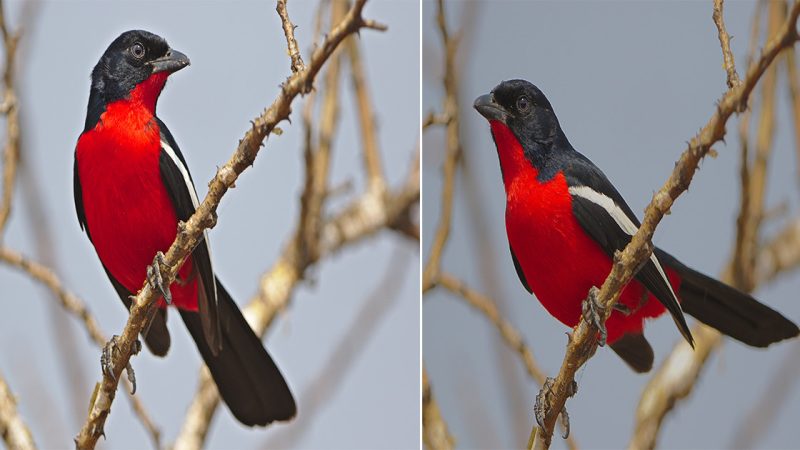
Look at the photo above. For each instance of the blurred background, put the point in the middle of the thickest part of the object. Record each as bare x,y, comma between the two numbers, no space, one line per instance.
631,83
349,342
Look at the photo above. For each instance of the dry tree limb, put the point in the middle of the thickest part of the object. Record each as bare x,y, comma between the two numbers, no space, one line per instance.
435,435
75,306
434,119
433,265
288,29
583,341
748,268
9,109
69,301
725,42
380,301
190,232
794,96
677,375
764,410
485,305
366,115
511,336
13,430
361,219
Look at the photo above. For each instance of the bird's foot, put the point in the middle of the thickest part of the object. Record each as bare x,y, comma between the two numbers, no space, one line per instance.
591,309
155,280
135,349
107,360
542,406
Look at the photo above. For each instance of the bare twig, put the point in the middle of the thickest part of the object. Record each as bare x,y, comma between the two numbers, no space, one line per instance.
433,265
288,29
767,405
369,135
725,43
434,119
9,109
13,430
75,306
362,218
583,341
510,335
205,216
380,301
435,434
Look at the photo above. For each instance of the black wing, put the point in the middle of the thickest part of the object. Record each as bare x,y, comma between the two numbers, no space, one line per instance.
78,194
604,215
520,273
180,187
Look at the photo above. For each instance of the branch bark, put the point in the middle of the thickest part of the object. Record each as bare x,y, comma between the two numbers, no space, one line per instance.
583,341
13,430
190,232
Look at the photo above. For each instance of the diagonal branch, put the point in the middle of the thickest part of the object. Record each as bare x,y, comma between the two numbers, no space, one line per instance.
583,341
191,232
725,43
13,430
433,266
9,109
75,306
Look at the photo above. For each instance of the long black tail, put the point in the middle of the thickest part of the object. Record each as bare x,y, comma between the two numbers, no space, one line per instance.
247,378
728,309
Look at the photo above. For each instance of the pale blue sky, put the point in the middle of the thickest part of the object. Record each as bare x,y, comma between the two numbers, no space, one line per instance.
238,55
631,82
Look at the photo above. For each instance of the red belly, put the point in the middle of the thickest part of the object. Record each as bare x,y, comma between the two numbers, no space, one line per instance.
129,215
560,261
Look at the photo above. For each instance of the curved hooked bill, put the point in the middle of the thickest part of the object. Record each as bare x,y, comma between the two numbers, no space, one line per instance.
490,109
173,61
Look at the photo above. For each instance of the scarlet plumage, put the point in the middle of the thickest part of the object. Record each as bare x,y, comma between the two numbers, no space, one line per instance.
542,229
565,220
132,186
118,164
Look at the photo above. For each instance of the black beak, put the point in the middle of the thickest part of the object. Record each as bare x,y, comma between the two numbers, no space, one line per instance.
173,61
487,107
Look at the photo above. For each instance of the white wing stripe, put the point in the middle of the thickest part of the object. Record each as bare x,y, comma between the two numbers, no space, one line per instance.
621,219
190,187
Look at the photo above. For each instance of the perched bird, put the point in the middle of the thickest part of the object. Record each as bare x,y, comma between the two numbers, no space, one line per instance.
132,186
565,220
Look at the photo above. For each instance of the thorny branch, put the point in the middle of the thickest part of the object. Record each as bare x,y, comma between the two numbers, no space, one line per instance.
191,231
725,42
583,341
315,236
288,29
433,266
9,109
75,306
750,266
13,430
435,434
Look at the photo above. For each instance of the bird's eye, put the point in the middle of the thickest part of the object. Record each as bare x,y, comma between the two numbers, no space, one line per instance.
137,50
523,104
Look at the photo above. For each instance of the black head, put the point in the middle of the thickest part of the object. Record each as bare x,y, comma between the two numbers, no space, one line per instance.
523,108
130,60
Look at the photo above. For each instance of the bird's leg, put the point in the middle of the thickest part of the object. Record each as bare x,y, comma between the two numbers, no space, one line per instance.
591,309
623,309
542,406
155,280
135,349
107,359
